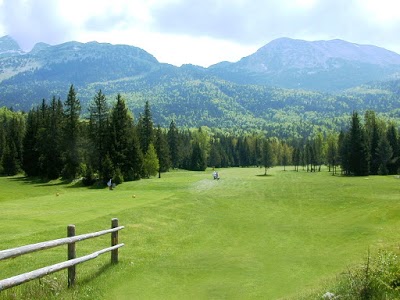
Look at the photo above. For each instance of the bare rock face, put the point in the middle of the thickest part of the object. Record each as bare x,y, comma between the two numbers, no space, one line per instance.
320,65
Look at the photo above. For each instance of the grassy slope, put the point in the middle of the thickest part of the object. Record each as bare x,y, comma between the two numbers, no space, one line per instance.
188,236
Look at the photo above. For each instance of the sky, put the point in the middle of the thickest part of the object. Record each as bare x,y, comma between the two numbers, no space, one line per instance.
200,32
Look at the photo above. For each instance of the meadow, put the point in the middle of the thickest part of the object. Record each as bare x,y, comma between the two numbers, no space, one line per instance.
187,236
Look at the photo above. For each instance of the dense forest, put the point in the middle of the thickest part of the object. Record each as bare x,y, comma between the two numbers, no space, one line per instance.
53,140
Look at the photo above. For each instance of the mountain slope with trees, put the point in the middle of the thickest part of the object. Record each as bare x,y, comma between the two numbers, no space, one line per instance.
194,96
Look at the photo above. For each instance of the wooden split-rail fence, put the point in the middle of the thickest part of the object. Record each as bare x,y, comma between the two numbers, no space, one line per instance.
72,261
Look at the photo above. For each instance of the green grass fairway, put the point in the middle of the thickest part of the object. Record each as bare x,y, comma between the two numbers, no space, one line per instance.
187,236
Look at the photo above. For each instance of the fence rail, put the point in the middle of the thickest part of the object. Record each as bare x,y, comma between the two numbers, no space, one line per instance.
72,260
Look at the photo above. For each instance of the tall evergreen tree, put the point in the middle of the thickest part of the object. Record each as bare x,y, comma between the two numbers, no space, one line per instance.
243,151
162,149
99,130
134,164
50,140
2,143
296,158
384,154
174,145
394,142
318,150
71,128
121,135
15,134
146,130
372,139
186,149
198,161
332,153
359,160
30,161
214,159
9,161
310,156
267,156
286,155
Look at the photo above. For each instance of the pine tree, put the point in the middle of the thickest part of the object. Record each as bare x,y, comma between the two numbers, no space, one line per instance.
372,139
296,158
243,151
197,160
71,130
359,160
120,135
9,160
267,156
162,150
2,144
310,156
99,129
30,161
332,153
344,151
383,152
134,162
394,142
49,139
146,131
318,150
214,159
286,155
174,145
16,131
11,141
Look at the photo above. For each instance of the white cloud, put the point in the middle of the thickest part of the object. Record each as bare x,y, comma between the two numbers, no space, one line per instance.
200,32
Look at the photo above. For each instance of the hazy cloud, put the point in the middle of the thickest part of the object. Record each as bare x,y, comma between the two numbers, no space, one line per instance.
255,22
203,32
32,21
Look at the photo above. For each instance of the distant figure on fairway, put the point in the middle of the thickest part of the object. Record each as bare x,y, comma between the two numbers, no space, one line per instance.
215,175
109,184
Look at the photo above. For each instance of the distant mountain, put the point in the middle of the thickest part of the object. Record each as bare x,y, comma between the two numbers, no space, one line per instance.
268,86
50,70
321,65
9,47
39,47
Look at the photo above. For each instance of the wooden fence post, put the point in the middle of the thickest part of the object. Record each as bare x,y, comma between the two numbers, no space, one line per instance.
114,241
71,255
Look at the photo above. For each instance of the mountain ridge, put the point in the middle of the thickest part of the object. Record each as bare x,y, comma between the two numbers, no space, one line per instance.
243,93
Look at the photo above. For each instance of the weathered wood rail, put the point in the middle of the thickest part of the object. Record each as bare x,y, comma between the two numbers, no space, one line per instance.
72,260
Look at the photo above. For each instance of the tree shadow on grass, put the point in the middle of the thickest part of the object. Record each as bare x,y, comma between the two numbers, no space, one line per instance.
40,182
37,181
264,175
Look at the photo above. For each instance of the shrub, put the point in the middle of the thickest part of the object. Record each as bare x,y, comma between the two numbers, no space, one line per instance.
89,177
118,177
377,278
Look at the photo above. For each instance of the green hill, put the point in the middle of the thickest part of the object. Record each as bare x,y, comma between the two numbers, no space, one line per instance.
255,93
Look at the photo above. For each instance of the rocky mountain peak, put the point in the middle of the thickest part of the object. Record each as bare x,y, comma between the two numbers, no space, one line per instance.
9,47
300,54
39,47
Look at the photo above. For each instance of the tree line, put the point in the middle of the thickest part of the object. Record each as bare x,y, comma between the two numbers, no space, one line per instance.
52,140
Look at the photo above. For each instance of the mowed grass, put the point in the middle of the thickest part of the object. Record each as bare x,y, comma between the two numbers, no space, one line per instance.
188,236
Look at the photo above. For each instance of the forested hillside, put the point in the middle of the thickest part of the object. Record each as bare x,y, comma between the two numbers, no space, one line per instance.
52,141
238,97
